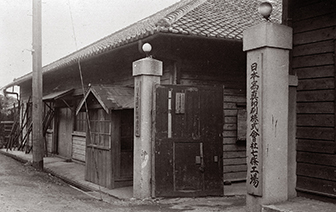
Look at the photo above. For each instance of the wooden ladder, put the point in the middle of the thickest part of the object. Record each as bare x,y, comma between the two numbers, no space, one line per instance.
27,124
12,141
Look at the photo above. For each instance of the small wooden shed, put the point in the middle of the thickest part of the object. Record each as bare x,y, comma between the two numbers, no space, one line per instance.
109,140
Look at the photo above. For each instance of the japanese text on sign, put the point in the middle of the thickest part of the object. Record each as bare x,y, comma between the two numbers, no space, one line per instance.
137,109
254,111
254,124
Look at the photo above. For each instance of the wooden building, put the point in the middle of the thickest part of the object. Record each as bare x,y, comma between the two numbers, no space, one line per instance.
313,61
109,140
199,43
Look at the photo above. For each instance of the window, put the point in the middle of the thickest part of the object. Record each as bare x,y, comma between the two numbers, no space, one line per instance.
80,123
100,128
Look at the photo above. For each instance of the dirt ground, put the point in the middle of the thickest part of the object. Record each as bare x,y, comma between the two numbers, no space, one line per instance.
24,189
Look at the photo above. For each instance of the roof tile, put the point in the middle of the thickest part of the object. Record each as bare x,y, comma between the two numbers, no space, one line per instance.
211,18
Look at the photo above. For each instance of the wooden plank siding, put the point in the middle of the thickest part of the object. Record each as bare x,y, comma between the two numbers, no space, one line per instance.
99,168
78,146
212,73
234,155
314,63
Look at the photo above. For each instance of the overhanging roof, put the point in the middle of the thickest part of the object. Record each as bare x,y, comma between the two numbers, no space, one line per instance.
220,19
57,95
110,97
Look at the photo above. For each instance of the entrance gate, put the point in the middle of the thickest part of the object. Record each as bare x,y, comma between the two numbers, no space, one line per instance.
188,143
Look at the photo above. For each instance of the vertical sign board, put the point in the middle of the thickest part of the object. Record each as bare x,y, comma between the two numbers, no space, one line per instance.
254,124
180,103
137,118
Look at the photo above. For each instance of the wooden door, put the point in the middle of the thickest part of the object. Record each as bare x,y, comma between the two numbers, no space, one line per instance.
188,144
98,155
188,174
64,146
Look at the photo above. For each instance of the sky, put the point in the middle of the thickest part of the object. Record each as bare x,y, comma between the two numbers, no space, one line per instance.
91,20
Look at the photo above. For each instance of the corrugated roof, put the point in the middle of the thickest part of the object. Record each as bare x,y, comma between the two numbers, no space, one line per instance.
110,97
57,95
225,19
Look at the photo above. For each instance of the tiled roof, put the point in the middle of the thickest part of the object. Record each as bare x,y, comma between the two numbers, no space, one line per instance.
222,18
225,19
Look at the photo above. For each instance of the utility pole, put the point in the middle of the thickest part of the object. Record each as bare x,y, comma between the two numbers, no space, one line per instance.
37,87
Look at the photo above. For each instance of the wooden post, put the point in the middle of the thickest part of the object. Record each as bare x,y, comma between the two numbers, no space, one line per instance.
37,87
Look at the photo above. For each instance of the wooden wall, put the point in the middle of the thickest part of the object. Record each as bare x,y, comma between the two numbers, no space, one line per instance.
98,166
235,166
314,25
78,146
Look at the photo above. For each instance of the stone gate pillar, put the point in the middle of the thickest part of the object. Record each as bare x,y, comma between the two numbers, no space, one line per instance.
147,72
267,47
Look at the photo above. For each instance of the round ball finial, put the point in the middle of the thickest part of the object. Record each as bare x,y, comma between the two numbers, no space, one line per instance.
146,48
265,9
